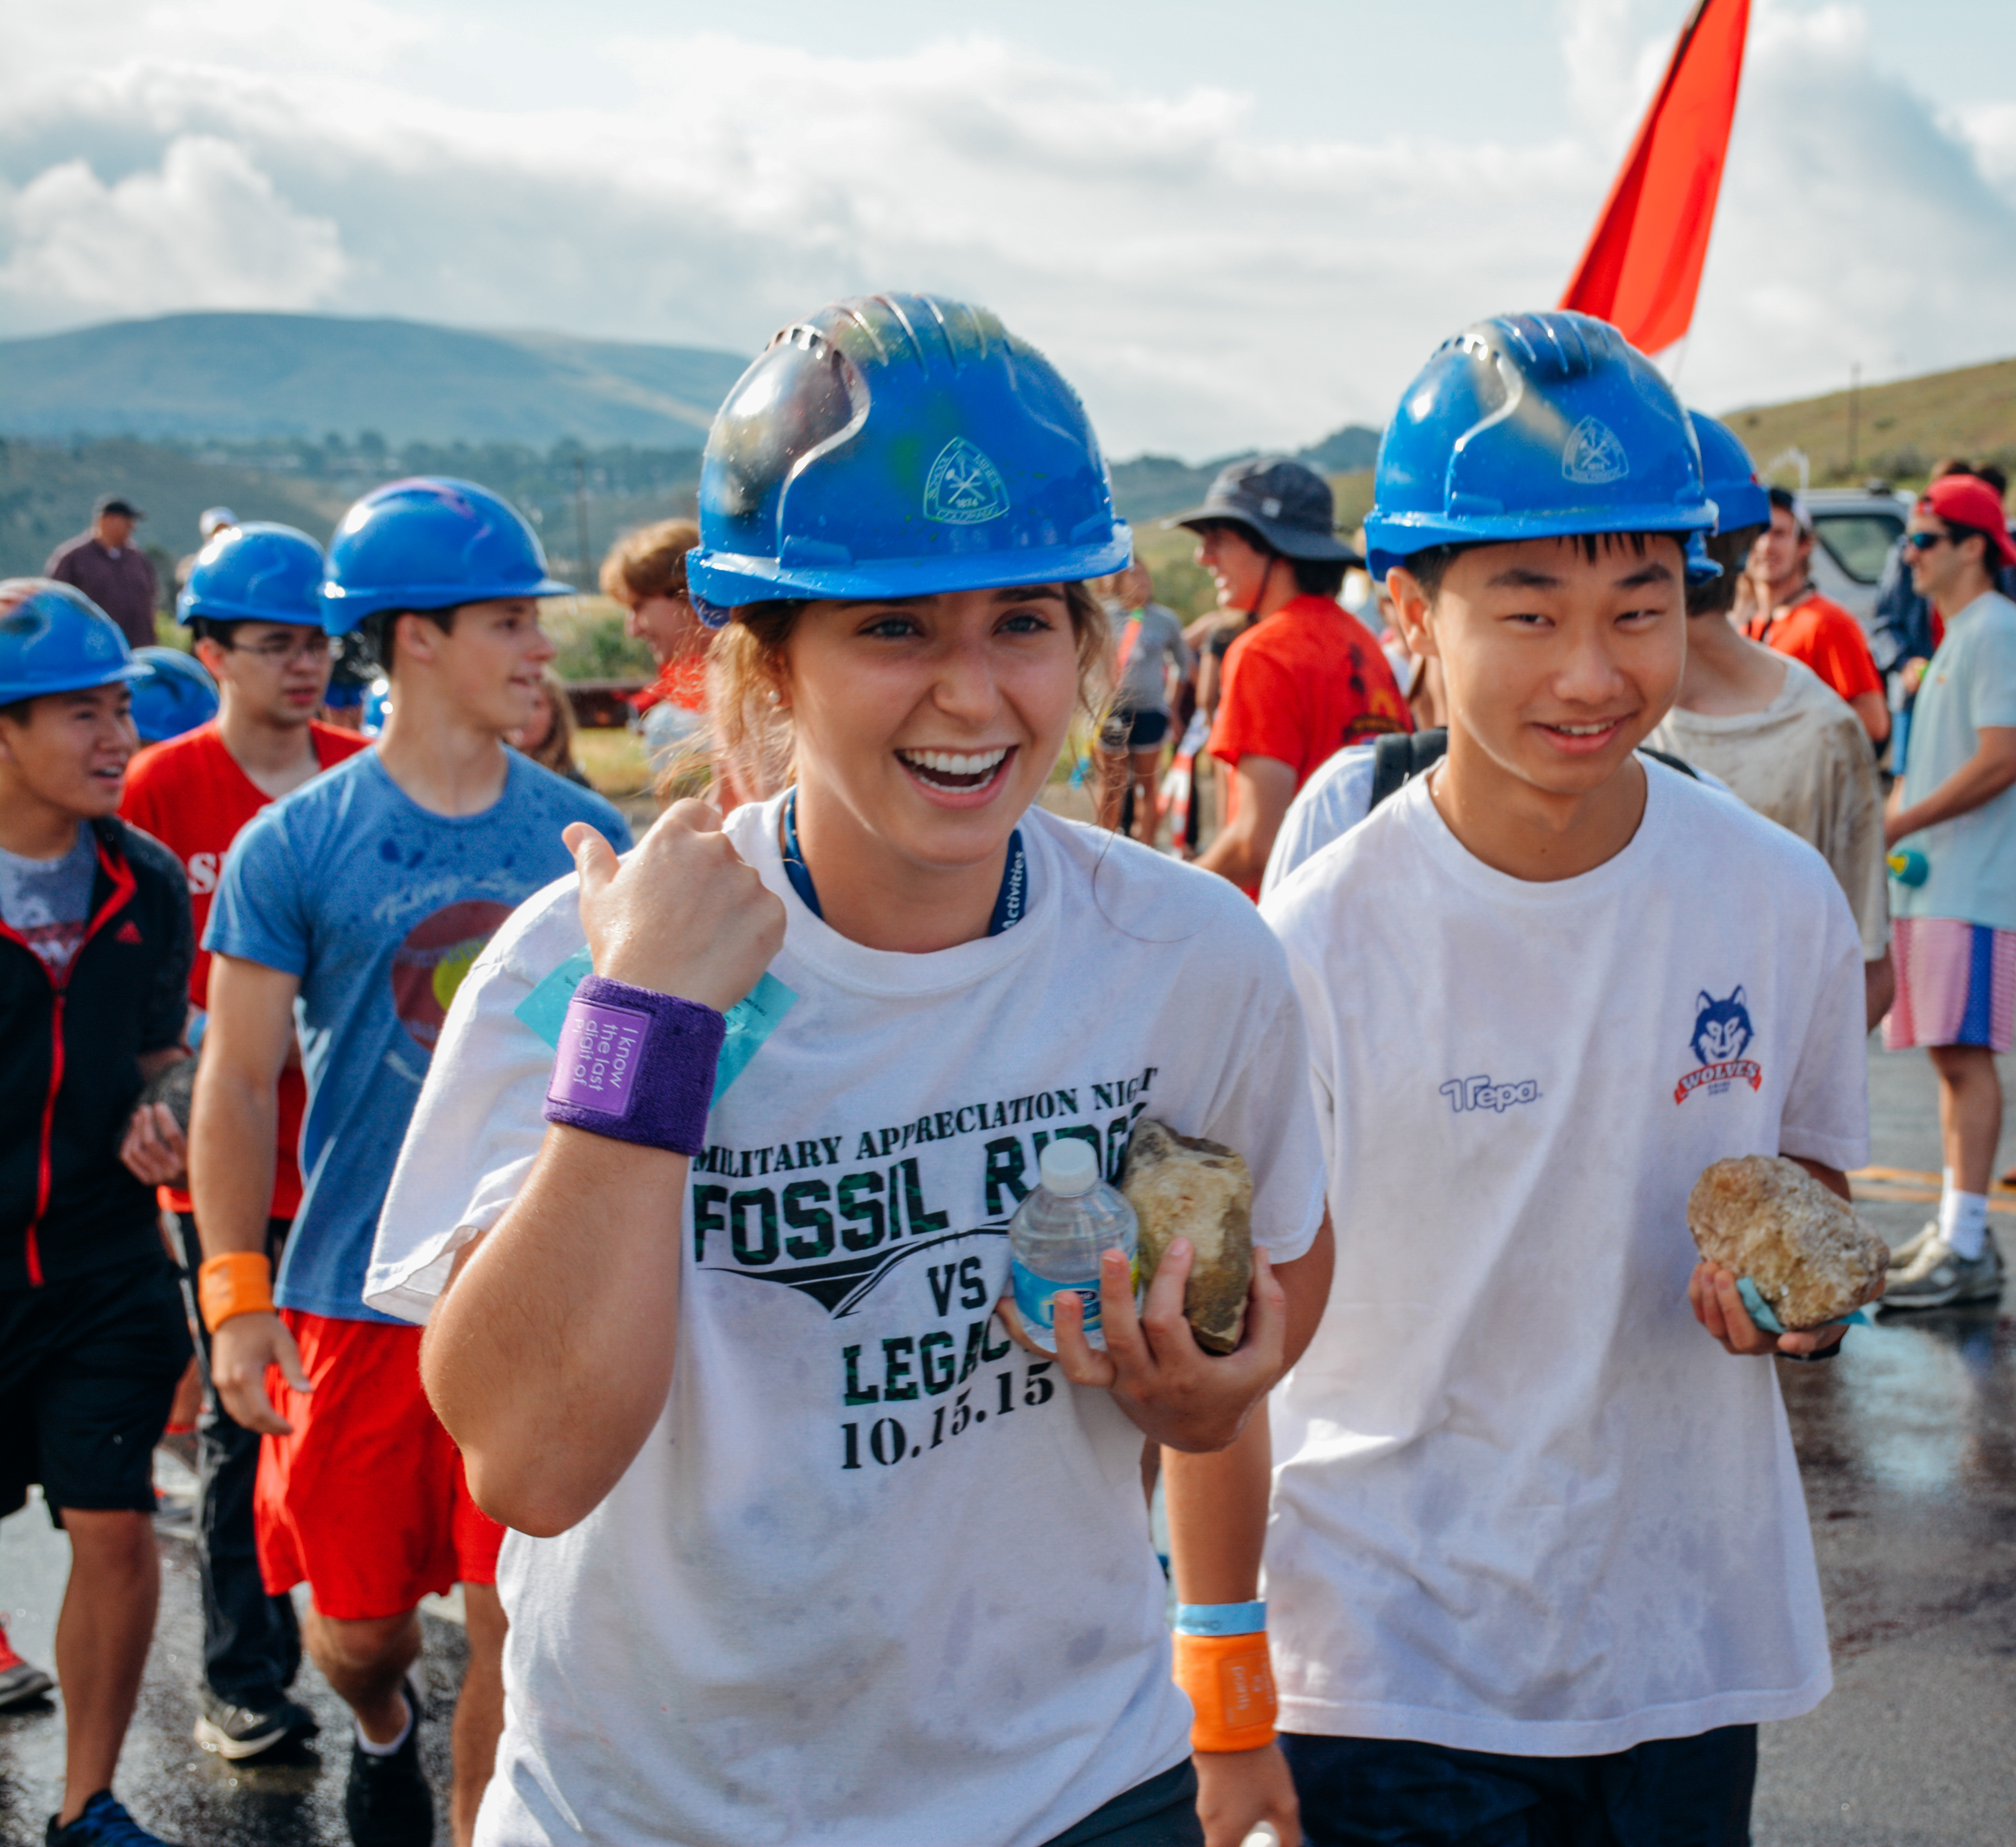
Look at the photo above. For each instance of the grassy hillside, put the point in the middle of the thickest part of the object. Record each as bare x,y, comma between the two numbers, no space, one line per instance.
483,390
46,489
46,492
251,375
1153,487
1902,428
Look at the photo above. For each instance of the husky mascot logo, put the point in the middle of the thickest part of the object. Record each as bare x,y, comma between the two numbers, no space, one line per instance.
1722,1033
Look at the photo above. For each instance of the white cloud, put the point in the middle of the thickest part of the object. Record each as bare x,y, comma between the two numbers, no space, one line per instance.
1856,228
206,230
1210,277
1989,131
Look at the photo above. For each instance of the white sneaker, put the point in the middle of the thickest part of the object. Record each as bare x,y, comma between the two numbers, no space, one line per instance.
1939,1279
1908,1252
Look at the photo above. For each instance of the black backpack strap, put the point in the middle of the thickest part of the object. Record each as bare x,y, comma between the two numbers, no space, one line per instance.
1671,761
1400,756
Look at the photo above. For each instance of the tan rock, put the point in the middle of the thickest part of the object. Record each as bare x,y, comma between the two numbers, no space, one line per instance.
1182,1187
1767,1218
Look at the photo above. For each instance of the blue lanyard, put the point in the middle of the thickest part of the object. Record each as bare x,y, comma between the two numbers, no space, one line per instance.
1010,907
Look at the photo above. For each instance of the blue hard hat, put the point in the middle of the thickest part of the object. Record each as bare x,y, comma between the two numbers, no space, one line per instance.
1534,426
55,640
258,573
898,446
430,543
377,706
174,694
1741,499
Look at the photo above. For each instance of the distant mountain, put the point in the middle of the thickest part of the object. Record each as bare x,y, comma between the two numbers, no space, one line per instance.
241,375
1344,452
1154,486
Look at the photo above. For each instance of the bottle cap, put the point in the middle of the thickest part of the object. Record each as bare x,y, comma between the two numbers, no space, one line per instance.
1069,1167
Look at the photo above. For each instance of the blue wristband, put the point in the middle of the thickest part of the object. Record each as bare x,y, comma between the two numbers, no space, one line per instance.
1221,1619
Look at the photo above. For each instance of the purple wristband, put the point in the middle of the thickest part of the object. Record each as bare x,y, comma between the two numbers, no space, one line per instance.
636,1065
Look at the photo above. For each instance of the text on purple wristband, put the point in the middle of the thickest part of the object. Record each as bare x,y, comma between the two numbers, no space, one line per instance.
599,1050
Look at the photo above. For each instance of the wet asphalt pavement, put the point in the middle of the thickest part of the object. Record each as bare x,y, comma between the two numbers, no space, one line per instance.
1909,1447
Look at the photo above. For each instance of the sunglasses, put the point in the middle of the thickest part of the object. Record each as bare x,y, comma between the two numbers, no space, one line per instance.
1924,541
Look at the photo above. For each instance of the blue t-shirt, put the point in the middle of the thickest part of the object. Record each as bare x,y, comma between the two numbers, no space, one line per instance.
1969,685
378,906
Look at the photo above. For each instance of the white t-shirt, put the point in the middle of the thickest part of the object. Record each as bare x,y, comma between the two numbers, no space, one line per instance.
878,1577
1332,802
1339,796
1523,1502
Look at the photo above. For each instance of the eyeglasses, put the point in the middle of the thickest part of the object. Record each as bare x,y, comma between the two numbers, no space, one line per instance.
312,649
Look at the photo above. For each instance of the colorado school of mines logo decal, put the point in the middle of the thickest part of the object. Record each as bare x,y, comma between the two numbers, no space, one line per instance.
964,487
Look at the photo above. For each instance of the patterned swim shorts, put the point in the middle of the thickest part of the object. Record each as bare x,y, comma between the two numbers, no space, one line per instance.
1956,984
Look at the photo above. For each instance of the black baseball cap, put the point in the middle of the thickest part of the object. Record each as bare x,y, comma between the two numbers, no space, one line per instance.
1285,501
115,503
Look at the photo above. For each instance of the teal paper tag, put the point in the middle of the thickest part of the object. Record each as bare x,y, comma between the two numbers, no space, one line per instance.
750,1021
1760,1310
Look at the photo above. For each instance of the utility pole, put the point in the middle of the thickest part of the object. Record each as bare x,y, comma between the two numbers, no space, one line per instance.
581,511
1854,414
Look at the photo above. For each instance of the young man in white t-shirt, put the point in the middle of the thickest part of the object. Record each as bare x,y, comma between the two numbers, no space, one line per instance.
1538,1560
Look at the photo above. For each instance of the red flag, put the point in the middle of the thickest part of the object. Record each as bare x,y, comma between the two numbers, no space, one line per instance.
1643,263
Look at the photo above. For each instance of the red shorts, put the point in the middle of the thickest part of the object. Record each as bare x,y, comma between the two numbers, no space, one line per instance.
367,1500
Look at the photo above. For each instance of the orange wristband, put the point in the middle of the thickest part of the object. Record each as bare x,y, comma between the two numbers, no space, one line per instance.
238,1283
1230,1680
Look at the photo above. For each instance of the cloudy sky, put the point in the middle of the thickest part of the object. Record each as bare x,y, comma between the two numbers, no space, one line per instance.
1229,225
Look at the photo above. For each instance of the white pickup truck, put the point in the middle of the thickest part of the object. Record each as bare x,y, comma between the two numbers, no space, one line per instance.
1855,528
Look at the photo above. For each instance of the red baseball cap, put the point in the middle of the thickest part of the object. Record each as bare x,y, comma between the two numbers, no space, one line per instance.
1967,500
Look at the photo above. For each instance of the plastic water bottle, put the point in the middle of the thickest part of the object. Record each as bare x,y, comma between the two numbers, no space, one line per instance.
1058,1235
1908,866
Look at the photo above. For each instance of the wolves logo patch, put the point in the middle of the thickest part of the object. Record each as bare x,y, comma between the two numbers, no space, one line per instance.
1722,1033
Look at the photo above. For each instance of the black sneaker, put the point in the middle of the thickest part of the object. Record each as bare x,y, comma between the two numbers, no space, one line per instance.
388,1803
103,1824
236,1732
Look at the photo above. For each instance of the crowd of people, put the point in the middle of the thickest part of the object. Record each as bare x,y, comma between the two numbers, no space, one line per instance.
377,1086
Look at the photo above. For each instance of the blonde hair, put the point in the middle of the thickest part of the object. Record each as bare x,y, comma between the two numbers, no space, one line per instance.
649,562
752,742
557,752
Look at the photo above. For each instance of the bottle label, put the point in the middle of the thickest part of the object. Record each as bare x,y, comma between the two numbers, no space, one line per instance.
1035,1300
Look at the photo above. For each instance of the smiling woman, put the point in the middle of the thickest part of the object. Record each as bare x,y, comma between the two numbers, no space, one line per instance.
726,1354
841,685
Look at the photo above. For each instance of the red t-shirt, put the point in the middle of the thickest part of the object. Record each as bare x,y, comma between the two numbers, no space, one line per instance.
682,681
1301,686
1824,636
189,794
